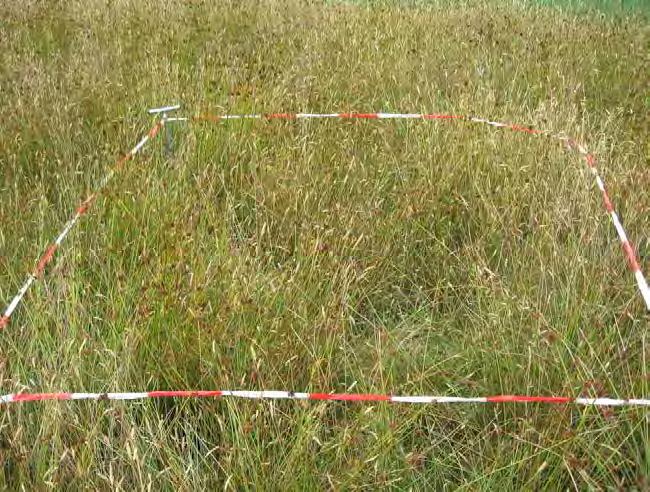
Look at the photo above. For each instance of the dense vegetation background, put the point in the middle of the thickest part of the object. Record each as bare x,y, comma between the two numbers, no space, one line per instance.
396,257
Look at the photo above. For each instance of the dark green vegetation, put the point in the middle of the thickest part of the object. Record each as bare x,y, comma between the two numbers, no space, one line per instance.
397,257
616,7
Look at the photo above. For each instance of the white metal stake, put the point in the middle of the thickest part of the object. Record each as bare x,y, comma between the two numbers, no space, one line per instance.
164,110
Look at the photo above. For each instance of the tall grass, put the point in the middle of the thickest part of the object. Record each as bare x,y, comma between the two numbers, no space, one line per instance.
398,257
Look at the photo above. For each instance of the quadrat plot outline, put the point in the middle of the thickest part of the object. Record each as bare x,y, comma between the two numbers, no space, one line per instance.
83,208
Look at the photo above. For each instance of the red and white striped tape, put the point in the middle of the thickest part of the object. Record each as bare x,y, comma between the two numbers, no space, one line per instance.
589,157
83,207
290,395
49,253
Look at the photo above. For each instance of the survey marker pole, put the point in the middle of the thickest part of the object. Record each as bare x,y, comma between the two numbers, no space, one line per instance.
164,117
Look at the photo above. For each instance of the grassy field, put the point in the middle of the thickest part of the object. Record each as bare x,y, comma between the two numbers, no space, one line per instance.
396,257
